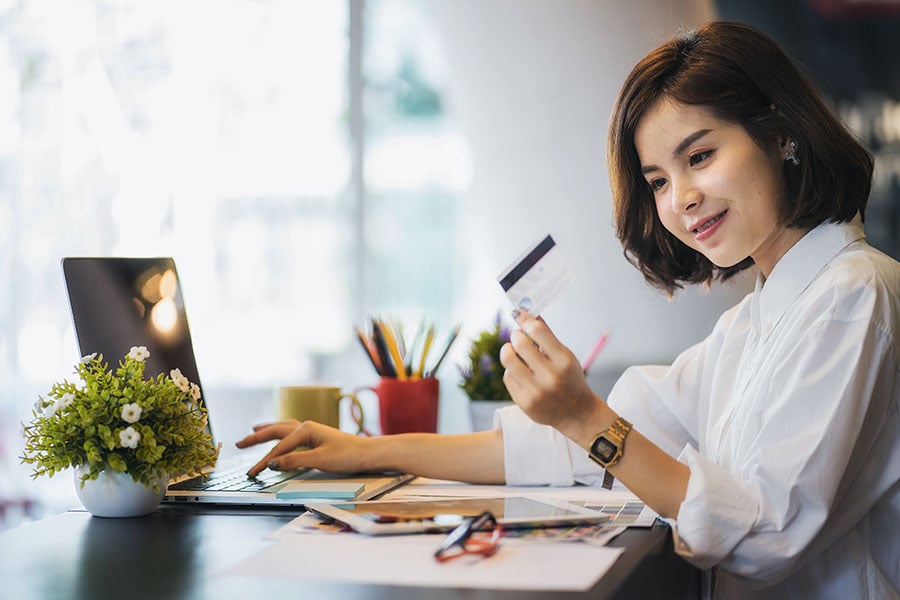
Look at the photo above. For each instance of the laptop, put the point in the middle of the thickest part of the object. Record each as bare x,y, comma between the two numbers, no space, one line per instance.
115,302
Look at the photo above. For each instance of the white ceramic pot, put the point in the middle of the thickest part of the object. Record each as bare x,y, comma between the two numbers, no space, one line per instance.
115,494
482,412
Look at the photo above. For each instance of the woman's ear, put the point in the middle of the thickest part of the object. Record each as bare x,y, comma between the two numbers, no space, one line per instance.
785,138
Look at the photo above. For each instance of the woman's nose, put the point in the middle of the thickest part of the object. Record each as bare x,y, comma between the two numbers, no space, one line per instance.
686,198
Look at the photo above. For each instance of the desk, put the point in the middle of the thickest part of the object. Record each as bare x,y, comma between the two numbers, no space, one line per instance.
174,553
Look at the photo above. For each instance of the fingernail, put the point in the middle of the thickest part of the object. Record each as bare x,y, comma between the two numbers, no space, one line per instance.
272,464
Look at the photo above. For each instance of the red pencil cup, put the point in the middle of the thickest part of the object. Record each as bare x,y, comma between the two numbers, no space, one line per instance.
407,406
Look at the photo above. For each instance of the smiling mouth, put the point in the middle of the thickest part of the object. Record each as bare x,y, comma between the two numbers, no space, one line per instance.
709,223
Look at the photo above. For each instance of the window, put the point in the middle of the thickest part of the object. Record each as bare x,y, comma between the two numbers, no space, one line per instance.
416,164
296,158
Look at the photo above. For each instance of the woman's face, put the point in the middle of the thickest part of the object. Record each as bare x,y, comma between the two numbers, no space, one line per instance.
715,189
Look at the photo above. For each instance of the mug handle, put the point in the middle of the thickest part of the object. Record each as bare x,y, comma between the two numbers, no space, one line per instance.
357,414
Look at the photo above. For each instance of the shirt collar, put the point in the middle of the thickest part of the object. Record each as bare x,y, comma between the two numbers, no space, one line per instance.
798,267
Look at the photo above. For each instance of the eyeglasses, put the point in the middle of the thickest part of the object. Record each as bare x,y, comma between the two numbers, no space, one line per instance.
462,540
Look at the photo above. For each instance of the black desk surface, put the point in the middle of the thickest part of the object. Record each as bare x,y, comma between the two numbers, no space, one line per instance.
175,552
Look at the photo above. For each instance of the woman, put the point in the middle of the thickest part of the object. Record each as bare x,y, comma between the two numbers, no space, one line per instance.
772,444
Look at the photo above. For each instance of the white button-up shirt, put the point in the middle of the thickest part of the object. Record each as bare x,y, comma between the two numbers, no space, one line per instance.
787,415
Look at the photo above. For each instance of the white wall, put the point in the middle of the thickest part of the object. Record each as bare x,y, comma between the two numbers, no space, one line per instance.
533,84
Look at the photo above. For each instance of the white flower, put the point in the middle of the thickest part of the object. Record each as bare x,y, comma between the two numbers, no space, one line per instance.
129,437
39,405
180,380
139,353
88,358
131,413
51,410
66,399
195,392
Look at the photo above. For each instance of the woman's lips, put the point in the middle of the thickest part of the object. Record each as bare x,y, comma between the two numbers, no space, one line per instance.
707,228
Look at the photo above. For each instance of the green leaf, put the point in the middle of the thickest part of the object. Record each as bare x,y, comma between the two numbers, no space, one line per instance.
117,463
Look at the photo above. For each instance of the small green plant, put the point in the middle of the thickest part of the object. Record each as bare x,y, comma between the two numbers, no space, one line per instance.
482,375
120,421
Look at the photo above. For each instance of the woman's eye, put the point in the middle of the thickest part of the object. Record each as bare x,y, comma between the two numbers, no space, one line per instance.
696,159
657,184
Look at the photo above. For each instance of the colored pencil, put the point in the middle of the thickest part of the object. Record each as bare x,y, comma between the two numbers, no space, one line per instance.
383,353
369,350
450,339
386,349
429,339
393,350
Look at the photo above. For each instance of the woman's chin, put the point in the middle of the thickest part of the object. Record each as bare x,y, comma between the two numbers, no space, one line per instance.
725,262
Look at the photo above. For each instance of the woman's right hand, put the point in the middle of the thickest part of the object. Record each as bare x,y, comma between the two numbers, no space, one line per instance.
324,447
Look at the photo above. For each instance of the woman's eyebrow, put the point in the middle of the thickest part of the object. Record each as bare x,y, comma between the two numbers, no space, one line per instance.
690,140
679,150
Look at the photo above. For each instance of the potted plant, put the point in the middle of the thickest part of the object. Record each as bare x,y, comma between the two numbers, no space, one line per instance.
125,435
482,375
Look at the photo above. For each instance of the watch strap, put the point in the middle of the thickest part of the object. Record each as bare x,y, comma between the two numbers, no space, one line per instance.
621,428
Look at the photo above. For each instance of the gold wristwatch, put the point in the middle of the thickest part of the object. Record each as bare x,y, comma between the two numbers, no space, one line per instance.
608,447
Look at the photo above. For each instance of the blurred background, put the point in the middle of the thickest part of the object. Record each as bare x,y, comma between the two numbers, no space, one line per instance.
312,164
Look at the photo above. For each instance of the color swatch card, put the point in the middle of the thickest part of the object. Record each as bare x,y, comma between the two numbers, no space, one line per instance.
534,279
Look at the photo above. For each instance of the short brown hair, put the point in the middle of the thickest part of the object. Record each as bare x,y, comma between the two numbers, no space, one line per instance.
741,76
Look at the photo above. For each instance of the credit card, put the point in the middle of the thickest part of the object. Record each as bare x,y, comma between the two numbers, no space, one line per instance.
534,279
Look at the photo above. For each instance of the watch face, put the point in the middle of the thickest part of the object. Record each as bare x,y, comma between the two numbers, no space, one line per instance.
604,449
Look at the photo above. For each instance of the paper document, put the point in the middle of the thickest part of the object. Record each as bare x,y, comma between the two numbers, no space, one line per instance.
408,560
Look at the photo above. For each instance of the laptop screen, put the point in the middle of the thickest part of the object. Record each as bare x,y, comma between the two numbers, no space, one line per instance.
118,303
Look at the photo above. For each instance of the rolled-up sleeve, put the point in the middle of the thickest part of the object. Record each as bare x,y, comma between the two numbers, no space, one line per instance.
710,525
536,454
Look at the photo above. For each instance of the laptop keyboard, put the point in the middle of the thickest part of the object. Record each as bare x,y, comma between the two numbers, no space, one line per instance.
233,478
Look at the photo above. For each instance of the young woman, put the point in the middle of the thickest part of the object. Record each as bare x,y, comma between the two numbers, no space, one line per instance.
772,444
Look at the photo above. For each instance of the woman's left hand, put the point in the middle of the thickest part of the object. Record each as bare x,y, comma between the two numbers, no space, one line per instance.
544,378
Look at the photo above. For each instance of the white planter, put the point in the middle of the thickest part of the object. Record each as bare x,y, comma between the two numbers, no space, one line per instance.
115,494
482,412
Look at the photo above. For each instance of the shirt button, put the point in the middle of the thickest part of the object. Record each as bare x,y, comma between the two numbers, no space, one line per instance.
767,328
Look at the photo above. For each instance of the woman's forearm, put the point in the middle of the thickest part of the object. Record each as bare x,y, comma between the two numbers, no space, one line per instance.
473,457
656,478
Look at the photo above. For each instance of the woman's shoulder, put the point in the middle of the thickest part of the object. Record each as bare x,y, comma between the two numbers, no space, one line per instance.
861,281
863,266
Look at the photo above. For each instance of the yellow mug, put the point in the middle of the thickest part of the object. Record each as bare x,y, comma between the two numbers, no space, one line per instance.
319,403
